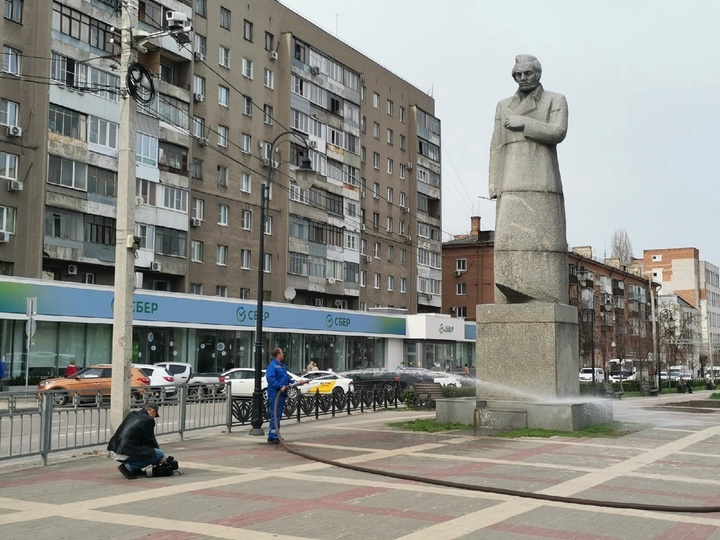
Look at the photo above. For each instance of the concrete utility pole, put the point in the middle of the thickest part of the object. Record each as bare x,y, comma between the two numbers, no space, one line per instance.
125,232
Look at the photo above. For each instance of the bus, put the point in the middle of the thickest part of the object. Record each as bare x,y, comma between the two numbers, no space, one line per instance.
619,370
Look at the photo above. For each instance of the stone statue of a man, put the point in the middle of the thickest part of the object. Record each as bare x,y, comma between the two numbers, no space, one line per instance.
530,240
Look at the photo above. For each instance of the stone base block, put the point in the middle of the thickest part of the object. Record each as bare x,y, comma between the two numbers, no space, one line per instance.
455,410
554,416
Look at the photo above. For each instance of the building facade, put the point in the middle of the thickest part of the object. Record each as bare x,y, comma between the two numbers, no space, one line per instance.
367,234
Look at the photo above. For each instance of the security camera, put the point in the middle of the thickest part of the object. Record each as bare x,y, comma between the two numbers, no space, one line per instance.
177,20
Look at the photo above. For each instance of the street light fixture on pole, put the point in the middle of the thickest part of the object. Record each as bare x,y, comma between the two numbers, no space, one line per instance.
304,176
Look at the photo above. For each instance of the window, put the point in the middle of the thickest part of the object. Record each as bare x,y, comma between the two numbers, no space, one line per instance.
389,227
222,255
269,78
225,18
150,13
403,285
224,57
65,172
201,9
461,265
13,10
101,181
146,233
390,194
376,249
199,85
11,61
146,149
103,132
7,219
390,108
376,280
223,211
376,160
198,209
10,111
99,230
376,220
403,256
376,130
390,166
244,293
146,190
363,94
245,259
167,73
196,288
363,278
222,176
376,100
247,30
267,263
269,41
201,45
221,290
84,28
170,242
376,190
268,225
196,251
196,169
461,289
268,114
402,142
245,182
246,220
391,283
401,173
402,114
223,96
247,105
199,127
246,143
61,120
175,198
390,136
247,68
223,134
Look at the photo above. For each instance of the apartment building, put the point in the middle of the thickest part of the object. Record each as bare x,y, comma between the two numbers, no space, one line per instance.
682,274
366,235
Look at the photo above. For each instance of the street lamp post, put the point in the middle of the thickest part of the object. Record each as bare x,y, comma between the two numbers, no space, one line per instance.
304,176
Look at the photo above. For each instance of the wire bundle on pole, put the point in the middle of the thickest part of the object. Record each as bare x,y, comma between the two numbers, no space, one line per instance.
140,83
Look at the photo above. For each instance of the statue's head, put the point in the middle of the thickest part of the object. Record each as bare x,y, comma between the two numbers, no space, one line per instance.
527,72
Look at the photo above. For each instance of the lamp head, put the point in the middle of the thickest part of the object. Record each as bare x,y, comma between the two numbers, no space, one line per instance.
305,175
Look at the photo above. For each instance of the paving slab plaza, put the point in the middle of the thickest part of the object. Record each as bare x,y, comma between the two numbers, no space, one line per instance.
237,486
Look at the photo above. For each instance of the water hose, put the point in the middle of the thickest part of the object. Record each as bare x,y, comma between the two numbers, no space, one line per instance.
488,489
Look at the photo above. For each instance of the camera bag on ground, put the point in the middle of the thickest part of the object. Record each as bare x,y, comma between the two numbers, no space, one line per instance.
166,469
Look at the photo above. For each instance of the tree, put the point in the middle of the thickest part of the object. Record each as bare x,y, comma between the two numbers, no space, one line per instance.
621,247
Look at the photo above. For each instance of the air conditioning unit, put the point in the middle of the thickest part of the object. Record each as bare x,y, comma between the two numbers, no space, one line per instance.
198,97
15,185
312,144
203,141
331,281
368,259
139,200
196,222
14,131
458,273
404,209
266,163
4,237
409,166
453,309
428,296
273,55
362,226
318,302
198,56
408,239
315,70
72,270
156,266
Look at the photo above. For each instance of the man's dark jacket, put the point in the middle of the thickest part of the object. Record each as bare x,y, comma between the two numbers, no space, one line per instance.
135,437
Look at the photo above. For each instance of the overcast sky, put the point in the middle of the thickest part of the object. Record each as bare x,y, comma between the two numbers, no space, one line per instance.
641,79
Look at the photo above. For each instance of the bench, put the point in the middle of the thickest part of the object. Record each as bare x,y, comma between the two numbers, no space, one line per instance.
426,394
611,392
649,390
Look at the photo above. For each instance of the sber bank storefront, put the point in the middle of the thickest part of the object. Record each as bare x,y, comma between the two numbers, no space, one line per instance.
74,322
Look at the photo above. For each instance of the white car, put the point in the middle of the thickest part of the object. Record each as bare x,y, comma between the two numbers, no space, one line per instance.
160,378
586,375
242,382
446,379
326,382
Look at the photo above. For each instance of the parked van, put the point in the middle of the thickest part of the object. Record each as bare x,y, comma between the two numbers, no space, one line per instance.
586,375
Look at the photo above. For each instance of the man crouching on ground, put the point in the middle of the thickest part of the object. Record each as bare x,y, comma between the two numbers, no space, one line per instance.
134,442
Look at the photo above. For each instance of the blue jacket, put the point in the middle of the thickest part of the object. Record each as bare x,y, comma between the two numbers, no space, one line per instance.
277,376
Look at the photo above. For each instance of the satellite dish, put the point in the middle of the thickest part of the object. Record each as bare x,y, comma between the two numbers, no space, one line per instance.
290,293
